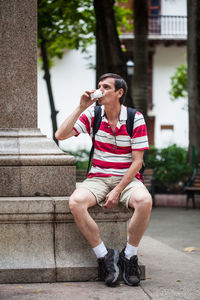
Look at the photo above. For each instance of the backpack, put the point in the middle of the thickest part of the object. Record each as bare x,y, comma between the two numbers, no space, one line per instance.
129,127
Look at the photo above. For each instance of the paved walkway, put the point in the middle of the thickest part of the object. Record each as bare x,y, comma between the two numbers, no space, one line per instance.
171,273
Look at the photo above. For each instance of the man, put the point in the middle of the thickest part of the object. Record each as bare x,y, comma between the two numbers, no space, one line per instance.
114,176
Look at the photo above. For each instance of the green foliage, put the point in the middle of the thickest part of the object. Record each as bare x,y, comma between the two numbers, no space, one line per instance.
71,24
123,17
82,157
151,158
172,167
65,25
179,83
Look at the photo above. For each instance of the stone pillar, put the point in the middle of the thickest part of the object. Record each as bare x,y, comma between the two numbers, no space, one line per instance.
39,240
30,164
18,66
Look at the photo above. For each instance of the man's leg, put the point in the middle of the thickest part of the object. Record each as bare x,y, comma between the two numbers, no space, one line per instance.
141,202
79,203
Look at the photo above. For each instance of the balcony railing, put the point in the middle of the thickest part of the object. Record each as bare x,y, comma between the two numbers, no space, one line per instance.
168,25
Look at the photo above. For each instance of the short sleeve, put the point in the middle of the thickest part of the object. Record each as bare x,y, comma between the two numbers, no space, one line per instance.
139,139
83,124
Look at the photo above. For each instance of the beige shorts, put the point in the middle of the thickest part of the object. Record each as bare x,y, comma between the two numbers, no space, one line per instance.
101,186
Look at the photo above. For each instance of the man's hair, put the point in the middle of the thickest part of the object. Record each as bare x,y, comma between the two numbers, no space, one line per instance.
120,83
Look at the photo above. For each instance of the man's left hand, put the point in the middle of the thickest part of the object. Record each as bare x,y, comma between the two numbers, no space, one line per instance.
112,199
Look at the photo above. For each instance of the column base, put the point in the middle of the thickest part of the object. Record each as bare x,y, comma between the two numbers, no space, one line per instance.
41,243
33,165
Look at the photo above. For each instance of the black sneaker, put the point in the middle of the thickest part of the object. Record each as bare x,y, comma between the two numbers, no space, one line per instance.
108,268
131,270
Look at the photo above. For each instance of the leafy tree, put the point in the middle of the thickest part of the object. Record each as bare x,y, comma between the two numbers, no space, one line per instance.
140,54
179,86
71,24
110,57
65,24
194,77
62,24
185,81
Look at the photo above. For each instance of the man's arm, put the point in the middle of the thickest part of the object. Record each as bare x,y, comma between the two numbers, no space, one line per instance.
112,198
66,130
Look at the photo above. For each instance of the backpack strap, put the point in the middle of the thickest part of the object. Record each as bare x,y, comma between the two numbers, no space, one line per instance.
96,125
130,120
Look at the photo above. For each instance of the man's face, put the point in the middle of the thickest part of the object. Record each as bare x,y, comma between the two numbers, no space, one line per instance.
107,86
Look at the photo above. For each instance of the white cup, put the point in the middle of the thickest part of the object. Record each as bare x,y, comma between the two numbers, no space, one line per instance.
96,94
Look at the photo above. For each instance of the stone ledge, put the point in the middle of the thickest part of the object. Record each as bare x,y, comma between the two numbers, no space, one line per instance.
41,243
52,209
30,181
33,165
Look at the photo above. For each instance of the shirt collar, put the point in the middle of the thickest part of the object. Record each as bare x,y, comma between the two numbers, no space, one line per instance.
123,113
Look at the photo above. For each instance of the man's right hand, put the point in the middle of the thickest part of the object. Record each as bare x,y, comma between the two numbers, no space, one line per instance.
66,130
86,101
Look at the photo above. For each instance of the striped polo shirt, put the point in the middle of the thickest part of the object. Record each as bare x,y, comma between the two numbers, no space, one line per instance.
113,150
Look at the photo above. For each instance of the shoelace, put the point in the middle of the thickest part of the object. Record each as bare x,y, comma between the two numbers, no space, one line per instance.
107,265
132,268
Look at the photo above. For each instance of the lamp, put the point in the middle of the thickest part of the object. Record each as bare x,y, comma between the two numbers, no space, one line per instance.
130,67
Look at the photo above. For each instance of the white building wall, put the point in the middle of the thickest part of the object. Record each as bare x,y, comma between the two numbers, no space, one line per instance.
171,25
174,7
70,77
166,111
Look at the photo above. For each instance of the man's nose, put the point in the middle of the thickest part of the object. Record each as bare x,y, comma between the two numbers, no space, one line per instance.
101,89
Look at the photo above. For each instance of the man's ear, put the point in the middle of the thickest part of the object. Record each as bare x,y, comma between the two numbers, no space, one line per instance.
120,92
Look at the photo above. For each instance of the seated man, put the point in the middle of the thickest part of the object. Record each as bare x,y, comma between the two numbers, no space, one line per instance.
114,176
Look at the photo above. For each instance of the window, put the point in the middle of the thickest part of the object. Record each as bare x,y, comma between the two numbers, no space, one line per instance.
154,17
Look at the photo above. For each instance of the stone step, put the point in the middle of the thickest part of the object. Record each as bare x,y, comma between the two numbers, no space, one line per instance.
41,243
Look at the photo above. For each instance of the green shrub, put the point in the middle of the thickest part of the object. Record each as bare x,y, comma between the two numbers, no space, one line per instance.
171,165
172,168
82,157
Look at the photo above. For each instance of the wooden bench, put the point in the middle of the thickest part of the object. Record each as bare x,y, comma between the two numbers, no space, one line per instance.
148,177
193,187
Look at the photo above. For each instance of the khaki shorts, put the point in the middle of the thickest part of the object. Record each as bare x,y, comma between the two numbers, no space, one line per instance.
101,186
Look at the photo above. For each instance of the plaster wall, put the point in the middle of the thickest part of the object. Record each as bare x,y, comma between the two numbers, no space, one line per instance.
174,7
166,111
70,77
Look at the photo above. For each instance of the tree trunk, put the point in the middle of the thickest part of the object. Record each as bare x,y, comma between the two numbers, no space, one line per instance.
140,78
109,55
47,77
194,78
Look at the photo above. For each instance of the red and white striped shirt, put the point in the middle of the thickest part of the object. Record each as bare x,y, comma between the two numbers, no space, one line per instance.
113,150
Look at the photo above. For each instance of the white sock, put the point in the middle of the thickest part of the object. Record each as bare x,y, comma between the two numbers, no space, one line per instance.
130,251
100,250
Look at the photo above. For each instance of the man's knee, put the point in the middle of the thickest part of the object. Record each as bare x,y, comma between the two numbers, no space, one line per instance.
142,201
76,203
81,201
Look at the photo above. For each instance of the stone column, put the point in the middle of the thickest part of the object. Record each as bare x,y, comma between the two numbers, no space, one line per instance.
39,240
30,164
